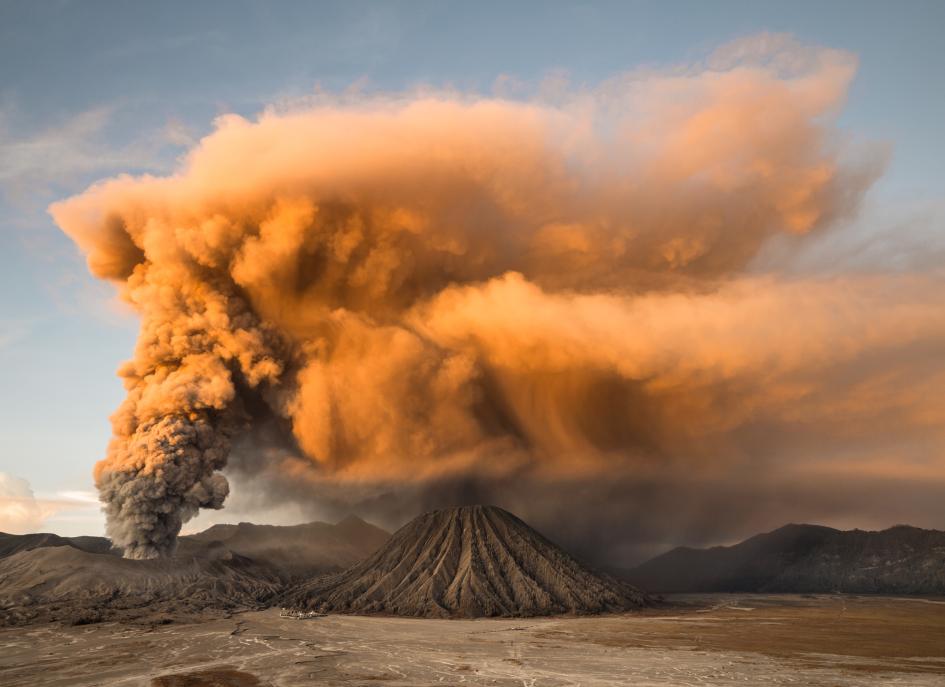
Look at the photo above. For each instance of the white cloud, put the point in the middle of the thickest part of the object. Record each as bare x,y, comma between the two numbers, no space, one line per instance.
179,134
22,512
38,163
12,331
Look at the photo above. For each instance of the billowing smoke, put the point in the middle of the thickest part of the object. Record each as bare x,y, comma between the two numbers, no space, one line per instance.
442,288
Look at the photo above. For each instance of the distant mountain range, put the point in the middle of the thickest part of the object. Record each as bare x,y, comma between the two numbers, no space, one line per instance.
805,559
461,562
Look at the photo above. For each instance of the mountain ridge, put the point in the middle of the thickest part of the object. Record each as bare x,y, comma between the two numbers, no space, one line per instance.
83,579
803,558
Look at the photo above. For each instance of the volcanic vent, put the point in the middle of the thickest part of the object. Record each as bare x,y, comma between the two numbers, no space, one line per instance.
468,562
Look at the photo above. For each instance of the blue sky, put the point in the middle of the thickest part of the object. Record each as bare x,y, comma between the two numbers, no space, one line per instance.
90,89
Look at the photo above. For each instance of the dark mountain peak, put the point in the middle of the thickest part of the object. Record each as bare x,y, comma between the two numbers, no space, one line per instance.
788,532
454,511
806,558
793,527
467,561
353,522
349,519
907,528
13,543
788,535
220,532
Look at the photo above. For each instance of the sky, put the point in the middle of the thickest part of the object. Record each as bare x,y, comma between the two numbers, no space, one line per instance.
90,90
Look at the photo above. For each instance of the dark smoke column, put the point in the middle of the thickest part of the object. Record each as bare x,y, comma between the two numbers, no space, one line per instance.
157,478
172,433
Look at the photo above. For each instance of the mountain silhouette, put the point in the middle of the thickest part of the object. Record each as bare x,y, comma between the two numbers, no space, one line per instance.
805,559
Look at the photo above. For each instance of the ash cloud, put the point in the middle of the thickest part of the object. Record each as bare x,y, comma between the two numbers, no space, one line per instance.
401,299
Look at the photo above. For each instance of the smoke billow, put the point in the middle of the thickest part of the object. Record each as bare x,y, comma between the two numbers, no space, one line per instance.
436,288
200,348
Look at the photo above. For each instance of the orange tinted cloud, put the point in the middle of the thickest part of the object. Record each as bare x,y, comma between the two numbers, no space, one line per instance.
424,287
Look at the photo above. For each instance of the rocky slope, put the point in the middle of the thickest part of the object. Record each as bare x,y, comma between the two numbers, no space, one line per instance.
806,558
299,551
228,567
467,562
14,543
74,586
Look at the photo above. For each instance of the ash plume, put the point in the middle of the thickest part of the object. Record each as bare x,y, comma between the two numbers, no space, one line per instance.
198,350
424,288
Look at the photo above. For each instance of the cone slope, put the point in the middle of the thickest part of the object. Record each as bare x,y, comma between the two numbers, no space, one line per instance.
472,561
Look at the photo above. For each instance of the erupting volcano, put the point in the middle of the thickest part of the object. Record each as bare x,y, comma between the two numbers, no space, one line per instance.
375,304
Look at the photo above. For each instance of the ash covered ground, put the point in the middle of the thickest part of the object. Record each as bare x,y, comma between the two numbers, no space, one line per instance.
706,640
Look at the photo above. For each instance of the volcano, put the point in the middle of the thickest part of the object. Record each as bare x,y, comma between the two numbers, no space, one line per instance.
467,562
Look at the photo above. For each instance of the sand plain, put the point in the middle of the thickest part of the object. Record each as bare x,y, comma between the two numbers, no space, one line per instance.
824,640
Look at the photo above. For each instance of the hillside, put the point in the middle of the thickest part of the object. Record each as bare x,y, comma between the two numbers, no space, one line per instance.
227,567
67,584
14,543
806,558
298,550
467,562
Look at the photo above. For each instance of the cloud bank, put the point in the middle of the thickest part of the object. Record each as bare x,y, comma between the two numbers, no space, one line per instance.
398,301
21,511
